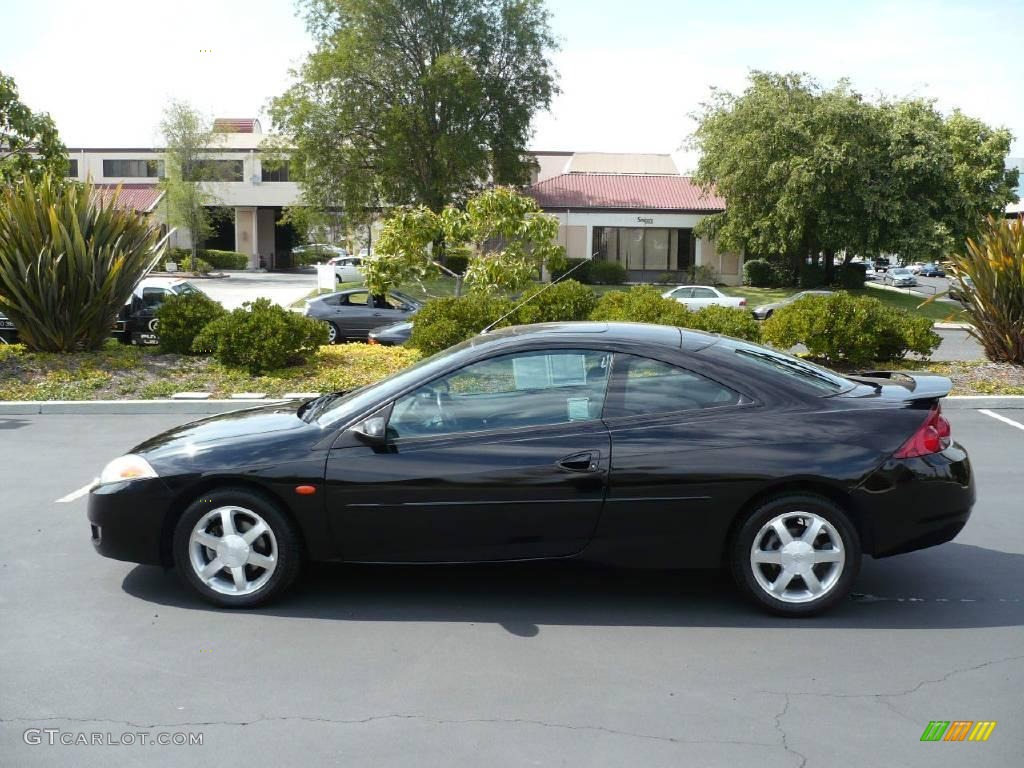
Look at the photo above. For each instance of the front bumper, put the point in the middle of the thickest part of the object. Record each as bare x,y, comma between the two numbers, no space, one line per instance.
910,504
128,520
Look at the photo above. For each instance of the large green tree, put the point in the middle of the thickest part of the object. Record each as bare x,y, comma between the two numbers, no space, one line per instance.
415,102
189,180
29,144
810,171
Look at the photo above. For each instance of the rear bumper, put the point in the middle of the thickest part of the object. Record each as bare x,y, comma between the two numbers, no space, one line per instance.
127,520
910,504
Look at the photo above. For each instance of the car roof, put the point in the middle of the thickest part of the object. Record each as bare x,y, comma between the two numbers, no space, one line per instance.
630,333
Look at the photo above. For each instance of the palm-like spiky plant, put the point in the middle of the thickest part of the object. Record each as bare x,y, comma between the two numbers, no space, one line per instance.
995,264
68,262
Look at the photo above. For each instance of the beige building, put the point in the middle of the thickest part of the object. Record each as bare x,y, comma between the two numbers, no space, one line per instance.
633,209
252,194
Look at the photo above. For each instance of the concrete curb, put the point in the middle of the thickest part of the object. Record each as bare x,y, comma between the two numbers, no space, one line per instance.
207,407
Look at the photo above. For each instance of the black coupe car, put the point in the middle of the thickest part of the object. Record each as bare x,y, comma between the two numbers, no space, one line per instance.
622,443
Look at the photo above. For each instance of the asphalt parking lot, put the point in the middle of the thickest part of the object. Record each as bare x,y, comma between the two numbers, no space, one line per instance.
282,288
499,666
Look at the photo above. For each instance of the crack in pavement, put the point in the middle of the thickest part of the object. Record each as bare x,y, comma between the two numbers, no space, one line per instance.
782,733
898,694
397,716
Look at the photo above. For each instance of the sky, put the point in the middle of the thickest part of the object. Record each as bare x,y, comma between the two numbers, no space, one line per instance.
631,73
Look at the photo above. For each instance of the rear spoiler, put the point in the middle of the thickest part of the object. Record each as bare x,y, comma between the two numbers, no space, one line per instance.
921,386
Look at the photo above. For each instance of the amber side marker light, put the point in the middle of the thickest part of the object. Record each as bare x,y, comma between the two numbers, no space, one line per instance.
305,490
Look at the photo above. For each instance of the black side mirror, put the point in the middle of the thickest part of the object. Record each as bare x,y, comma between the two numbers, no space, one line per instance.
371,431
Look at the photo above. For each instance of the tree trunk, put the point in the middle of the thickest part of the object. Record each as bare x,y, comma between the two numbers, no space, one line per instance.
830,261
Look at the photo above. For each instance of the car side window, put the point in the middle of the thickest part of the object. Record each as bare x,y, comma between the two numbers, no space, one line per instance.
526,389
703,293
682,293
359,299
153,297
641,386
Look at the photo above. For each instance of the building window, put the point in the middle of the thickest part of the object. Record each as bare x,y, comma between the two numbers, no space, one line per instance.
72,168
214,170
276,172
646,249
131,169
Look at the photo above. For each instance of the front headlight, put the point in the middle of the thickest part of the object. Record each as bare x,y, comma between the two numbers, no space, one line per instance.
128,467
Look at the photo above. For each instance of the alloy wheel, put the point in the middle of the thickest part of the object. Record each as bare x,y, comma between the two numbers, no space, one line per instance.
233,550
797,557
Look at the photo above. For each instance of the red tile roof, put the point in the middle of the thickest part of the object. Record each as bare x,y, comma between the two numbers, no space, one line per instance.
236,125
619,190
141,198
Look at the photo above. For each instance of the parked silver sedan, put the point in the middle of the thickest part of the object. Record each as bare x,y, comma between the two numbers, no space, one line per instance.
900,277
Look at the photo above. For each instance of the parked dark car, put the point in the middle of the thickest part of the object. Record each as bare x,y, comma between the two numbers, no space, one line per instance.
764,311
960,288
881,264
621,443
391,335
352,314
136,323
931,270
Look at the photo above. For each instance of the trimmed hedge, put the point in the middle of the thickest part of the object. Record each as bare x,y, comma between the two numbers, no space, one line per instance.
182,318
262,336
457,263
850,330
564,301
225,259
445,322
758,273
852,276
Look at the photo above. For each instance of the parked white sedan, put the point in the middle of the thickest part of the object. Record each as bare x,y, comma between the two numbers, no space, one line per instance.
700,296
347,268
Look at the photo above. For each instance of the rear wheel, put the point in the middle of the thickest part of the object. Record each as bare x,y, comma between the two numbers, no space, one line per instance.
236,549
796,555
332,333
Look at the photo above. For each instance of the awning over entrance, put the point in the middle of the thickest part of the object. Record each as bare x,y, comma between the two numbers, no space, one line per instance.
141,198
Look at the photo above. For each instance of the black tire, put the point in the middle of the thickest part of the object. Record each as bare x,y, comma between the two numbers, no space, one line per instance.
811,504
336,331
284,531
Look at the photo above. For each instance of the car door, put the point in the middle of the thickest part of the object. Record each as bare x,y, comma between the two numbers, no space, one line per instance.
506,458
682,295
703,297
676,469
354,315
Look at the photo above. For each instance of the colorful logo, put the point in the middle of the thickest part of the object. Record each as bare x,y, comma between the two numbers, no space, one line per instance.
958,730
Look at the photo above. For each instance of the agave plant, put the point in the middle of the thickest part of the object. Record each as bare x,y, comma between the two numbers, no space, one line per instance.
68,262
995,264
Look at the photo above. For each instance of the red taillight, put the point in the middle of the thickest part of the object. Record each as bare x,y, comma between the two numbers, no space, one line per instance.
743,302
372,340
931,437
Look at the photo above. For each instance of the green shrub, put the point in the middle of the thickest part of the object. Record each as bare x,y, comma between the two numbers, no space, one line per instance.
578,268
606,273
564,301
457,263
445,322
644,304
851,276
850,330
728,321
758,273
225,259
640,304
262,336
181,319
811,276
68,263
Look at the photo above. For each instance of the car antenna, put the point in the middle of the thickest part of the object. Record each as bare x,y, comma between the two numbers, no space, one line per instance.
535,295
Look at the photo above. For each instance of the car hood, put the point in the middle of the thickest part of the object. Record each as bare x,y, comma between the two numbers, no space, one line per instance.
234,427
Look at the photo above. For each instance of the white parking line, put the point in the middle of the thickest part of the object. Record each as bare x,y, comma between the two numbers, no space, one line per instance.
74,494
1003,419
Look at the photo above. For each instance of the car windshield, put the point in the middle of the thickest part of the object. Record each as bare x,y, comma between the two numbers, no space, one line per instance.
901,272
184,289
355,402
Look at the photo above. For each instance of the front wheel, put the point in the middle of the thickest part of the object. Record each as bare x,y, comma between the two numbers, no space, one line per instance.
236,549
332,333
796,555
